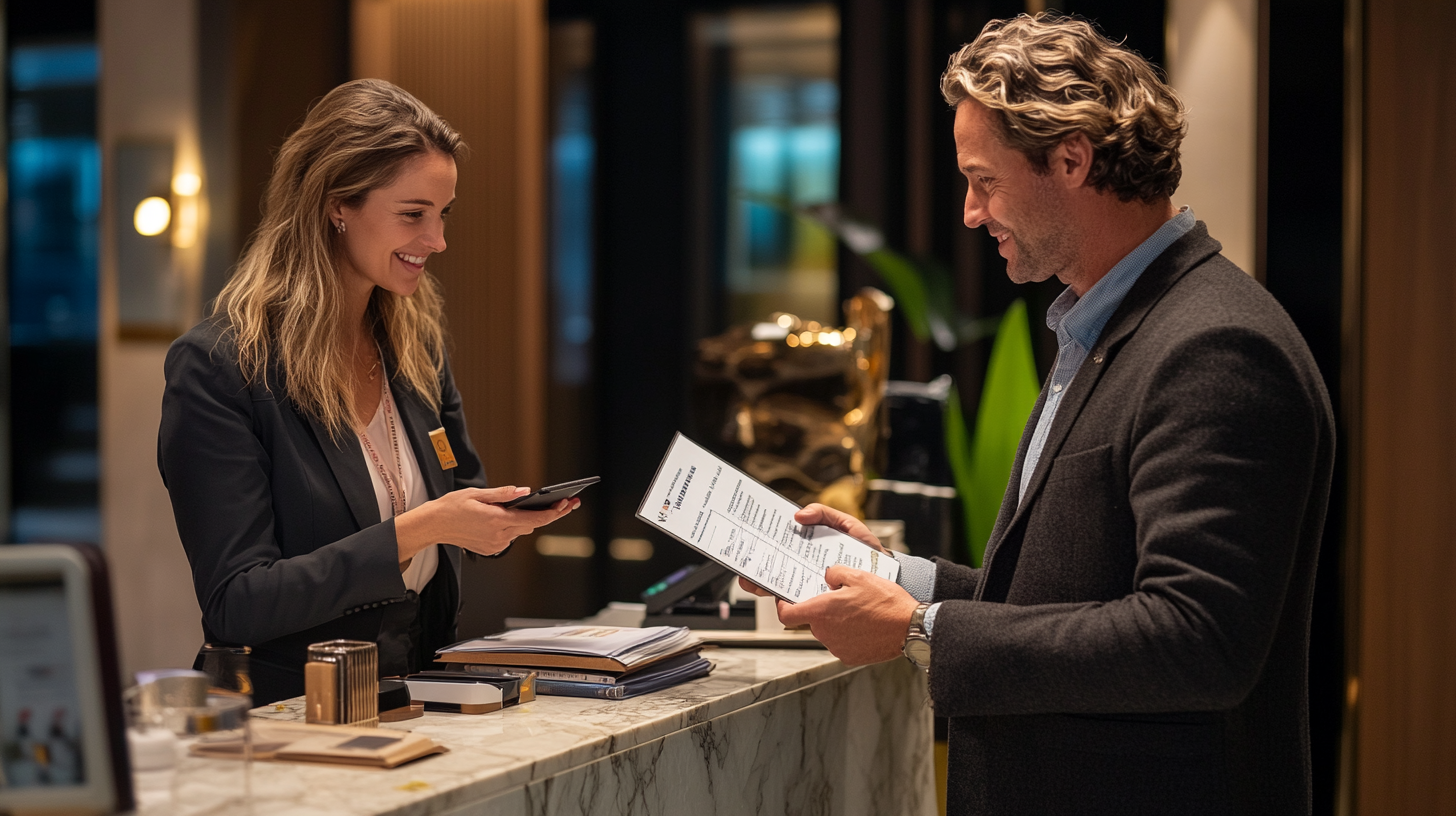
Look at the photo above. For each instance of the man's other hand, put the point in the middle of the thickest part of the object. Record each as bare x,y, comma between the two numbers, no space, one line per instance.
843,522
839,520
862,619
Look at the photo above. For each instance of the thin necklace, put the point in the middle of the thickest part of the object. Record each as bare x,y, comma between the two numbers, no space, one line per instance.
393,482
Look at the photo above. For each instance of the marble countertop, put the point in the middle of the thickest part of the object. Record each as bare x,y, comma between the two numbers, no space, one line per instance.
493,753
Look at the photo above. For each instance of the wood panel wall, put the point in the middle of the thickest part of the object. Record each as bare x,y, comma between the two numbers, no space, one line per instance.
481,65
1406,757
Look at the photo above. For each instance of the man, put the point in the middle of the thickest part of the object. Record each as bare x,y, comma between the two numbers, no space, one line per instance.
1136,640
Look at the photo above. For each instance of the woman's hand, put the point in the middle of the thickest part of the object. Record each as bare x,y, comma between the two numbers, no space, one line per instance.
829,517
472,519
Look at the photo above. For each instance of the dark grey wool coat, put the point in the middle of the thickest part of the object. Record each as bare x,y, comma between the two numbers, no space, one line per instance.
1137,640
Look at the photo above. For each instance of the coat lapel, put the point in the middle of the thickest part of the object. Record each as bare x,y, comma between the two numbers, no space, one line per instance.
346,460
418,420
1187,252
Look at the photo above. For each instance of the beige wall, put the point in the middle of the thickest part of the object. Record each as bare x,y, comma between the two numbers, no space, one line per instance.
481,65
148,92
1213,62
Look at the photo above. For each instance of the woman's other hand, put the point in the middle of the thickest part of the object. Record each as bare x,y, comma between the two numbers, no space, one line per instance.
473,519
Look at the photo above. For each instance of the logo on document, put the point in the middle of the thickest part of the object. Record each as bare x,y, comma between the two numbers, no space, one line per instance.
667,502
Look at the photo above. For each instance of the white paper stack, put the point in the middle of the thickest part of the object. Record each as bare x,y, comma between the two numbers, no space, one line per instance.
608,648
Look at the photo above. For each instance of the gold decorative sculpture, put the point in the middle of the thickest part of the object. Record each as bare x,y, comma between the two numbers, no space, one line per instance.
799,402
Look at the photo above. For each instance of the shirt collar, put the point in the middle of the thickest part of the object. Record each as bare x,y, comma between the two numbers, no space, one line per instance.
1081,319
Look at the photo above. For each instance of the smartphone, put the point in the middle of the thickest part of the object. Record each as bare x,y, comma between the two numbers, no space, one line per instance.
547,496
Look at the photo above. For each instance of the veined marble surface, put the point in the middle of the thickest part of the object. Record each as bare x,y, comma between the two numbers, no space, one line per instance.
781,731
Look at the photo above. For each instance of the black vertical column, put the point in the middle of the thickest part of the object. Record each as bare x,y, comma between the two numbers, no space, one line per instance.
1303,271
645,343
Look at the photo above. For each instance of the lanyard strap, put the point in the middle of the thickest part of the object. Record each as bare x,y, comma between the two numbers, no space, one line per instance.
393,482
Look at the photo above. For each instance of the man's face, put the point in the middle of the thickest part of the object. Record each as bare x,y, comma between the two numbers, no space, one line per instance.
1025,211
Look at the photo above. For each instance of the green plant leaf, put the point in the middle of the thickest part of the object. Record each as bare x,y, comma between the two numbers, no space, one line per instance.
906,286
1007,398
958,451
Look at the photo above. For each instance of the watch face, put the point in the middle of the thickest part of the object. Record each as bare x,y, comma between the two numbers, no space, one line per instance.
918,651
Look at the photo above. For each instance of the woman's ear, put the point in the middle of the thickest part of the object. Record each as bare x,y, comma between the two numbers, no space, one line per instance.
336,212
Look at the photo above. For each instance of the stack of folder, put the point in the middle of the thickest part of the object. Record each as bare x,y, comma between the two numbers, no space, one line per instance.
606,662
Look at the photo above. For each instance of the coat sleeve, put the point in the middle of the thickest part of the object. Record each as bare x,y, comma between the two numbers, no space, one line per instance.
954,581
218,472
1229,445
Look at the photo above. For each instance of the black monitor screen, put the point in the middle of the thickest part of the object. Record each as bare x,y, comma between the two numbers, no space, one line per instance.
40,728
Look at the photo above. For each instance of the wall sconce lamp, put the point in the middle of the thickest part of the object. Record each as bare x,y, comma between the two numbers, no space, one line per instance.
156,212
152,216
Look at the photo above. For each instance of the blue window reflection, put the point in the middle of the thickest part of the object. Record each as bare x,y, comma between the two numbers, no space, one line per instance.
780,77
55,198
573,153
55,194
54,167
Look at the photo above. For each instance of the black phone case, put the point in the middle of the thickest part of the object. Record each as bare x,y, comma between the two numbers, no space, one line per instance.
547,496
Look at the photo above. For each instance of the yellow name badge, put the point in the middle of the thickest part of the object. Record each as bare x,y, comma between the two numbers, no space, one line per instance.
442,448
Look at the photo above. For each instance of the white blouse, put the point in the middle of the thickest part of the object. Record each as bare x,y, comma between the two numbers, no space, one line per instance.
422,567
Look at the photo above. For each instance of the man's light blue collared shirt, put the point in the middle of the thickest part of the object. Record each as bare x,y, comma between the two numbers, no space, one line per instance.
1078,323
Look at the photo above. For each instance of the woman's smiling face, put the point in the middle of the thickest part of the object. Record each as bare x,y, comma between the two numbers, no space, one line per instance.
388,237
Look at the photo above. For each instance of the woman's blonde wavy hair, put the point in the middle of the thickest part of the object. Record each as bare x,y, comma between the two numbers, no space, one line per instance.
285,301
1050,76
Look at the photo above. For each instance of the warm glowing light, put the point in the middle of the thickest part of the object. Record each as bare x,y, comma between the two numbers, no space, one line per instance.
849,335
785,320
853,417
184,226
812,326
806,338
847,442
792,340
863,364
186,184
565,546
152,216
630,549
823,337
835,338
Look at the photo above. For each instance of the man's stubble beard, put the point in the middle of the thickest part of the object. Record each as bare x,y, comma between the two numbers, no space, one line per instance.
1045,247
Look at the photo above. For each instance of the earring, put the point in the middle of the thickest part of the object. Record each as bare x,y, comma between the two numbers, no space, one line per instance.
340,226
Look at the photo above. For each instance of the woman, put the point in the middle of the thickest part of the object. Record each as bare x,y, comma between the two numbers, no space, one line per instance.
296,444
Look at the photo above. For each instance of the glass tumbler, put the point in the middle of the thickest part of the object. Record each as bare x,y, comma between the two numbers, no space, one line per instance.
213,749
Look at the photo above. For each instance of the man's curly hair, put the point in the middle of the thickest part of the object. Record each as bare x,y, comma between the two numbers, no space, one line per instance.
1050,76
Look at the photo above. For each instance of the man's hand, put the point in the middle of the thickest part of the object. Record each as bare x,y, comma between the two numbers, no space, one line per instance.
838,519
843,522
862,619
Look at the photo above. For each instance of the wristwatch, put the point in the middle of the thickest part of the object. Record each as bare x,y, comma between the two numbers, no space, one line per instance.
917,642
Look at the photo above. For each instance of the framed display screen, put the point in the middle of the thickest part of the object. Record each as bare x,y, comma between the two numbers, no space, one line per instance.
40,722
62,738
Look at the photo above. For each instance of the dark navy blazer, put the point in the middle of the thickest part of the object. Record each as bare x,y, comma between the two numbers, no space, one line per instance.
280,521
